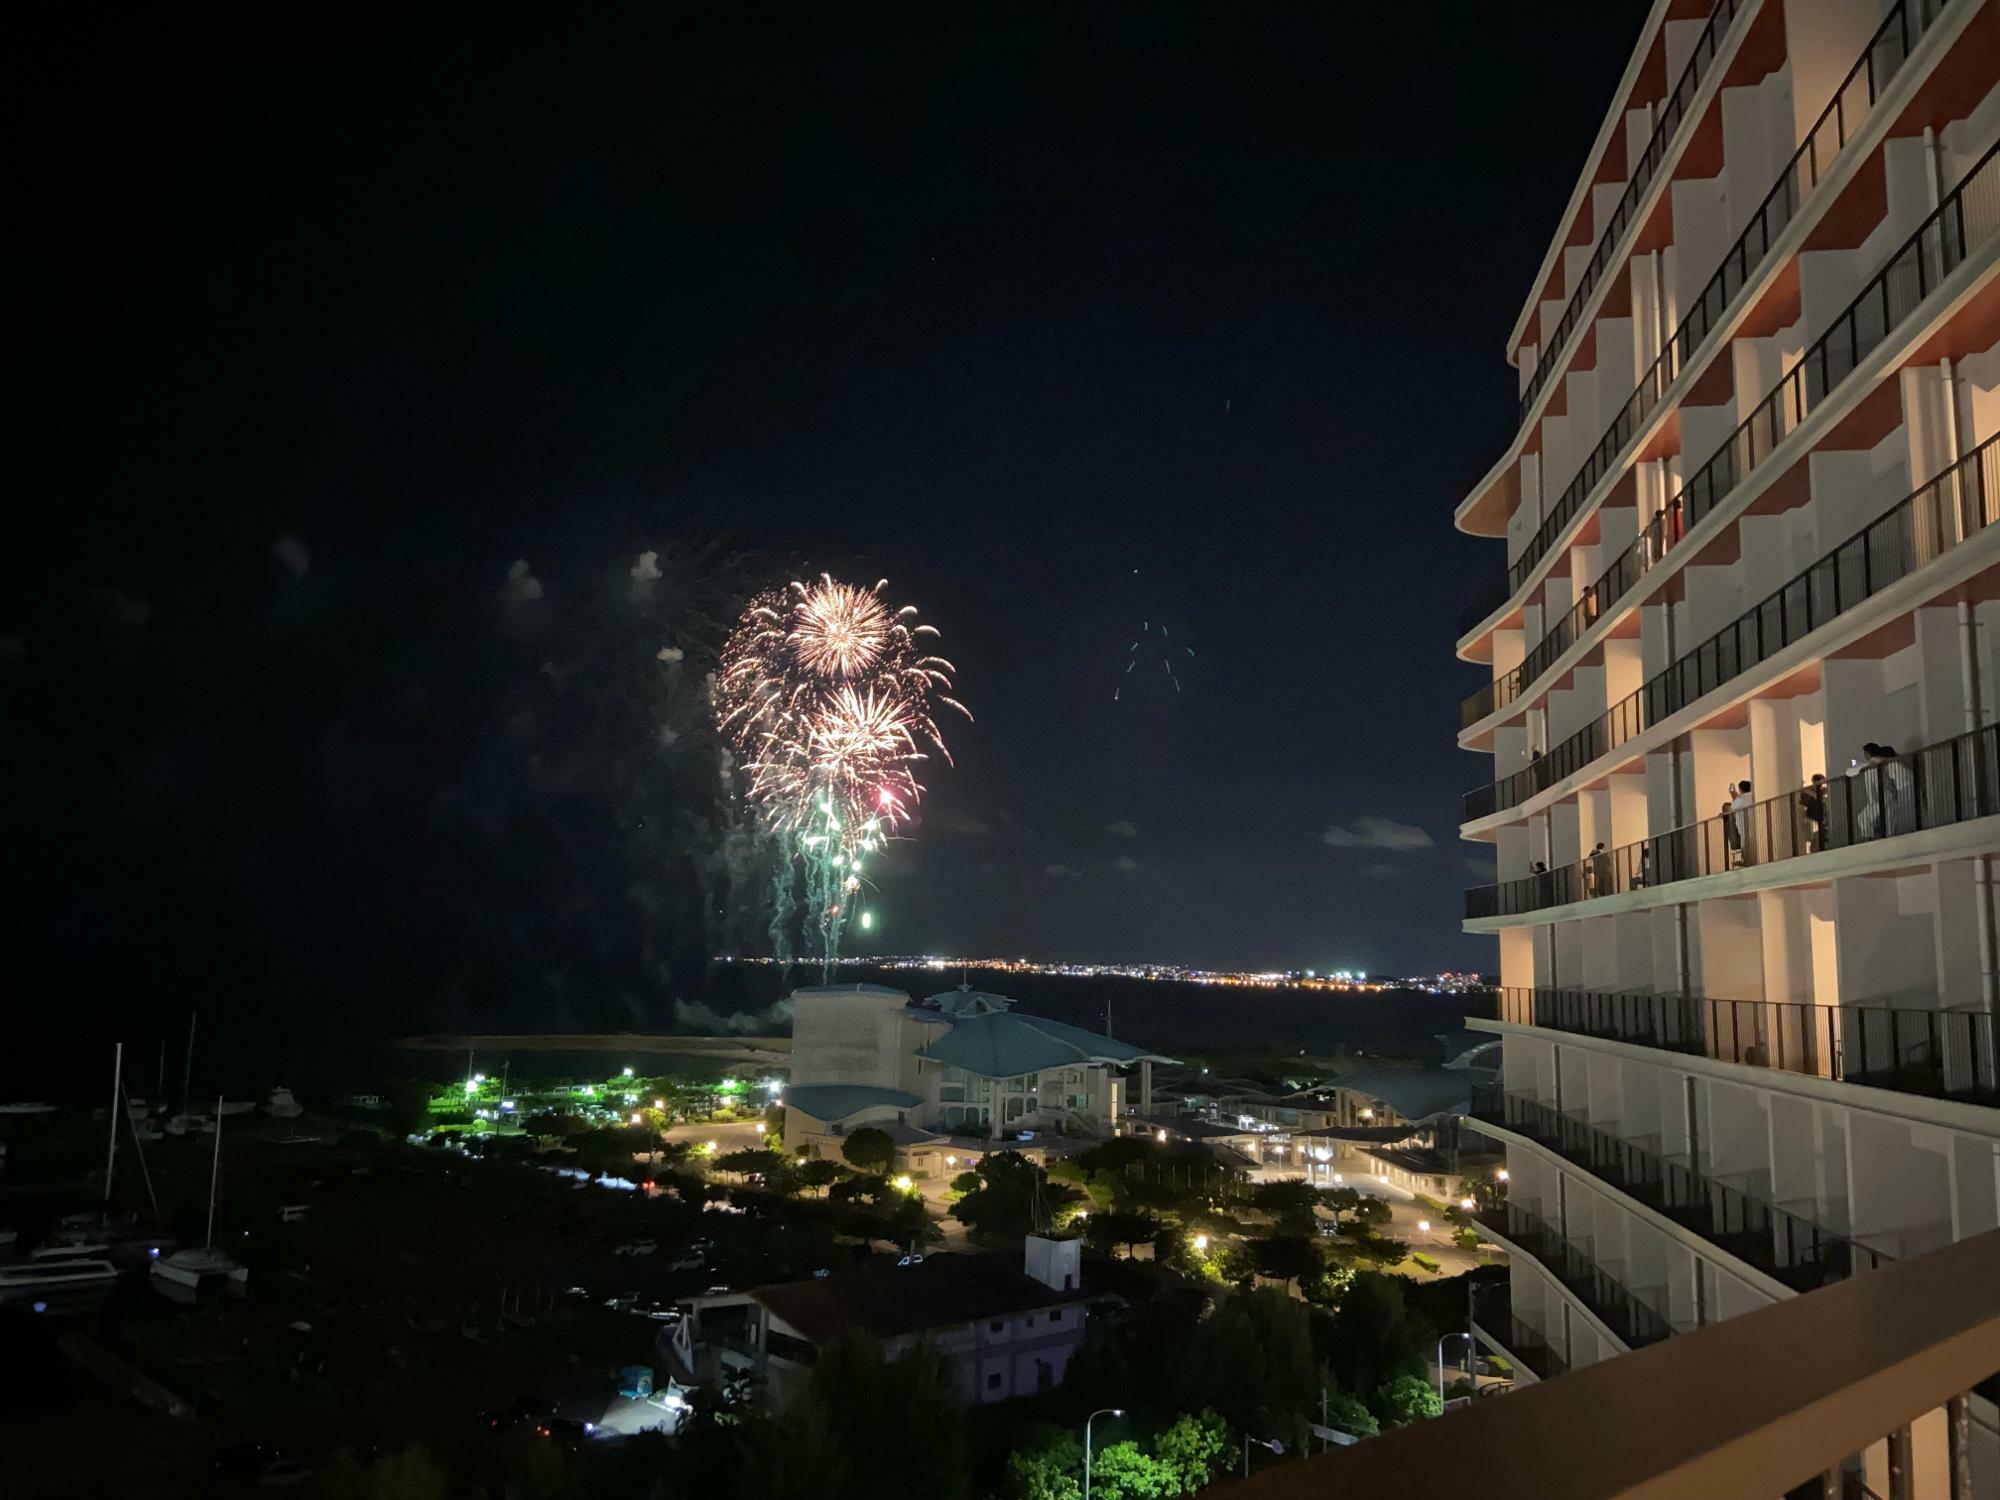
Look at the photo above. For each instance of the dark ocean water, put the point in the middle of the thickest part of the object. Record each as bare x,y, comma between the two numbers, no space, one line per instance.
244,1055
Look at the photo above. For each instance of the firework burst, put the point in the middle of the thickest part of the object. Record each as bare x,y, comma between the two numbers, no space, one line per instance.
829,696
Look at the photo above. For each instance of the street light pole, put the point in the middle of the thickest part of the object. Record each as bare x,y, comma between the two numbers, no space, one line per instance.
1470,1374
1102,1411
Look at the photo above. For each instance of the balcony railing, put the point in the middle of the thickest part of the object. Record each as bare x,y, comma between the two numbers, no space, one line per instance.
1954,781
1940,1054
1672,113
1962,224
1493,1310
1952,508
1624,1314
1782,1400
1879,62
1785,1247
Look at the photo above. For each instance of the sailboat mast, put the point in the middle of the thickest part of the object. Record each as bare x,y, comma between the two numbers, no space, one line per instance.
111,1148
187,1073
214,1171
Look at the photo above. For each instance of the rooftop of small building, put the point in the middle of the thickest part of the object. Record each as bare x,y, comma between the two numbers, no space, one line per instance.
886,1302
1006,1044
836,1101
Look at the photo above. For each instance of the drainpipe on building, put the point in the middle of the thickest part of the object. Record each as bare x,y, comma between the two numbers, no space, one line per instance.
1968,687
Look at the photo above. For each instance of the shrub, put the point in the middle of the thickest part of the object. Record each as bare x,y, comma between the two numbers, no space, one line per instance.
1425,1261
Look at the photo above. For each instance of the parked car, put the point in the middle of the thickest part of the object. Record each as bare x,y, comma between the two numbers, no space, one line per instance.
566,1432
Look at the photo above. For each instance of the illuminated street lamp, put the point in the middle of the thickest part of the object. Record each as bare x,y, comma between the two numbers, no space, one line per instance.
905,1184
1104,1411
1201,1244
1501,1175
760,1127
1160,1136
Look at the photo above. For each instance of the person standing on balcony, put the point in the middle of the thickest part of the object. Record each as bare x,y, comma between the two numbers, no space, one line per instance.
1894,792
1739,807
1732,837
1812,806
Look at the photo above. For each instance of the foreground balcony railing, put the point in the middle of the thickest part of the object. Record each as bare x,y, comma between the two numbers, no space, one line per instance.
1672,112
1809,1396
1632,1320
1940,1054
1961,225
1784,1246
1493,1311
1872,72
1952,782
1951,509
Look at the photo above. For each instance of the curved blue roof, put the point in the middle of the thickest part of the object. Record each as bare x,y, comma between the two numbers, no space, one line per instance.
836,1101
1005,1044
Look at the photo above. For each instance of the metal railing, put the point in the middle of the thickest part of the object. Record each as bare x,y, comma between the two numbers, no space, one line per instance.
1937,1053
1953,781
1789,1249
1951,508
1672,113
1880,61
1962,223
1624,1314
1494,1312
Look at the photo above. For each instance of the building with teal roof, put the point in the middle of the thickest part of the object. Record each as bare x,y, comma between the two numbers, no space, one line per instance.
958,1065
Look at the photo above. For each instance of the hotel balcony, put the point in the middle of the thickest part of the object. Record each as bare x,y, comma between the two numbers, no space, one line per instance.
1863,1389
1957,507
1938,1054
1762,260
1789,1249
1937,787
1957,234
1495,1325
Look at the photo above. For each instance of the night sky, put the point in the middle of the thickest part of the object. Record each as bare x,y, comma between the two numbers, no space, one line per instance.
326,330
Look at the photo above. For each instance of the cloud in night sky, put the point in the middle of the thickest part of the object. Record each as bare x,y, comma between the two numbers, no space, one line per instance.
1377,833
1061,872
1125,862
1124,828
521,585
293,555
960,825
647,568
120,607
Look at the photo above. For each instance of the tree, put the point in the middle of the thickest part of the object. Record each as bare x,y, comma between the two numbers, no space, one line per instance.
1354,1209
869,1150
1407,1399
752,1162
1374,1337
1286,1196
1351,1414
1287,1258
1121,1228
820,1172
1191,1450
898,1422
1003,1201
1116,1154
862,1187
1251,1360
1125,1471
1045,1464
966,1182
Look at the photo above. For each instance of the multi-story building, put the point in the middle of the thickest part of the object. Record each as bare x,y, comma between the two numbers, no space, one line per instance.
1743,687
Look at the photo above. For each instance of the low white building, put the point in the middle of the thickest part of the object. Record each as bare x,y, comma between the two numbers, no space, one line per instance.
962,1063
1008,1330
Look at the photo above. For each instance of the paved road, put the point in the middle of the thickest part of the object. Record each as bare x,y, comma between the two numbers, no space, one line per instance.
743,1135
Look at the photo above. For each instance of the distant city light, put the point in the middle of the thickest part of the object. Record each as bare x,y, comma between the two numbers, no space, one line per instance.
1423,1226
636,1117
628,1072
1465,1203
1501,1175
905,1183
760,1127
1201,1244
659,1104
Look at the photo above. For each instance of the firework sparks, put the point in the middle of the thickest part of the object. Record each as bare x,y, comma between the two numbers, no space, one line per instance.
829,697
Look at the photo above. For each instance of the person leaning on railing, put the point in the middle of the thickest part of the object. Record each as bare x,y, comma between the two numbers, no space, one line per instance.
1812,806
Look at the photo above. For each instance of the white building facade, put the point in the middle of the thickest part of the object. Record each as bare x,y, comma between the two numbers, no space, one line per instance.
1749,519
960,1065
